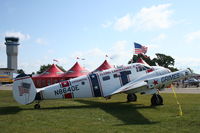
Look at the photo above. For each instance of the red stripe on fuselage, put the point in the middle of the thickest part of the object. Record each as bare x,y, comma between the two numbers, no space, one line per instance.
68,95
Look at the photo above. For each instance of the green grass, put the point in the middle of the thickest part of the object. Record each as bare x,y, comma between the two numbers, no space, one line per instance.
97,115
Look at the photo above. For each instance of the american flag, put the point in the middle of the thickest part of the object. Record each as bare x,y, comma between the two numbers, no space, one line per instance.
139,49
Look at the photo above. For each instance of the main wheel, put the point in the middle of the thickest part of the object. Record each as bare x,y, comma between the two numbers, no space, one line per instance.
131,98
37,106
156,99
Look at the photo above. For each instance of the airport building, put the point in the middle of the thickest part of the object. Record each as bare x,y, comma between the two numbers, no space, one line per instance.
6,74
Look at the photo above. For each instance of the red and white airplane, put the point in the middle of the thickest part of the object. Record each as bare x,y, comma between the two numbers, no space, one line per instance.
131,79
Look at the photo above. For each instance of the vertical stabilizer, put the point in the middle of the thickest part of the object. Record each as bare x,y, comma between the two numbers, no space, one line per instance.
24,90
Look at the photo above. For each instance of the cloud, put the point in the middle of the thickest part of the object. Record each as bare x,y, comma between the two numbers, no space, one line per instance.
20,35
192,36
3,65
152,46
34,65
120,52
95,52
123,23
158,38
154,17
107,24
50,51
188,62
2,46
41,41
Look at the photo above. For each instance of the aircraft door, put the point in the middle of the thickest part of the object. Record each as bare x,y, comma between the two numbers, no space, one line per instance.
124,77
95,85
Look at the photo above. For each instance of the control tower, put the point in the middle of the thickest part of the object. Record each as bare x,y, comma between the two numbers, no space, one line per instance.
12,52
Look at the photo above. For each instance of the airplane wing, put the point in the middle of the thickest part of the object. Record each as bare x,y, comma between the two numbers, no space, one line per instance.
149,85
131,87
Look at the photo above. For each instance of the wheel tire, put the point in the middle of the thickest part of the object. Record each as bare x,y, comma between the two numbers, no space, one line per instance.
37,106
156,100
131,98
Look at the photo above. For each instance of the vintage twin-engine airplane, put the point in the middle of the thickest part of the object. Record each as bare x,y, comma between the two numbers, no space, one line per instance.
131,79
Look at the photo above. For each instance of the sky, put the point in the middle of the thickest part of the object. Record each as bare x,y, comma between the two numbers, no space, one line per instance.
90,29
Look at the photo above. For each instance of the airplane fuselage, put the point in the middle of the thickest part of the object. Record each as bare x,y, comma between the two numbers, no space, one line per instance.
97,84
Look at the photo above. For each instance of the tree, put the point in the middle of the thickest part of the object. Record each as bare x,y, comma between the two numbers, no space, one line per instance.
161,59
61,68
43,68
164,60
33,73
20,71
146,58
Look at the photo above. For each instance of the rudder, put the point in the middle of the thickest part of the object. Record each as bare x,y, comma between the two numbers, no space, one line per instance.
24,90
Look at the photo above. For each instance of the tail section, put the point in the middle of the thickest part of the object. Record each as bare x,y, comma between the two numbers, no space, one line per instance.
24,90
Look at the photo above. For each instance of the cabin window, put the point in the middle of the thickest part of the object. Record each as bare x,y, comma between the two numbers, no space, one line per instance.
117,75
106,78
141,68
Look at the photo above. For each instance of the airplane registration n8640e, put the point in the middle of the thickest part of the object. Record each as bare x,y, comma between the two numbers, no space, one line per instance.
131,79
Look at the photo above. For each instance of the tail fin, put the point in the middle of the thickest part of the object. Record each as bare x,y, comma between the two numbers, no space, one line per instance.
24,90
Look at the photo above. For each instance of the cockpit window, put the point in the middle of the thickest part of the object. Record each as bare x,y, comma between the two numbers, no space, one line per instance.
147,67
139,68
142,68
106,78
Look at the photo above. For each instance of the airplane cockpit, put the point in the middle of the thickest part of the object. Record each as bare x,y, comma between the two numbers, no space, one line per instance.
142,67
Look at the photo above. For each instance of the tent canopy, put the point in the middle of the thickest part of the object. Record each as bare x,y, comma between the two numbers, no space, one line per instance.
104,66
52,71
140,60
75,71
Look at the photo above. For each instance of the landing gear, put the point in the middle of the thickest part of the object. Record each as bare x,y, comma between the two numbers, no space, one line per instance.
131,97
37,105
156,99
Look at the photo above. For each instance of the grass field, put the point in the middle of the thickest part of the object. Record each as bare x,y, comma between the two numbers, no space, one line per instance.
95,115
